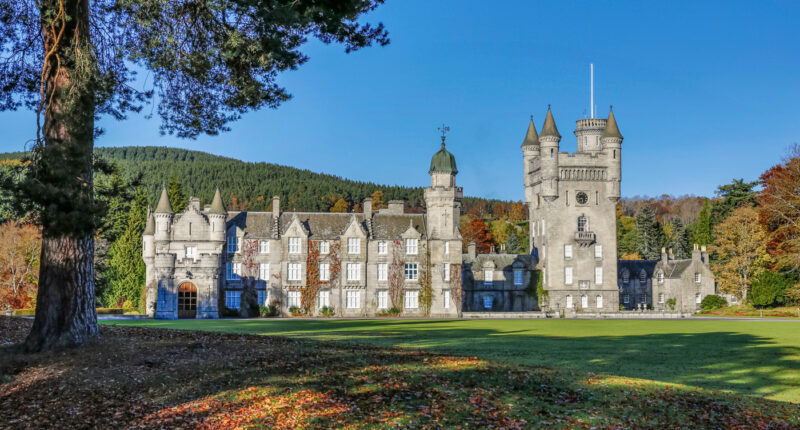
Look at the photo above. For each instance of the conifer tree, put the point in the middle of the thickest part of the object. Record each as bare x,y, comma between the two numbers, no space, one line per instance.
680,243
177,197
125,267
650,236
704,227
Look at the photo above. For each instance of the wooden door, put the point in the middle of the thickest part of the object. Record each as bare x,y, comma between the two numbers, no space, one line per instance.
187,300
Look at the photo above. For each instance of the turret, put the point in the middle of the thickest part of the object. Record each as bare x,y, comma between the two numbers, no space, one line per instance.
443,169
443,198
530,155
163,216
216,217
612,147
148,237
548,140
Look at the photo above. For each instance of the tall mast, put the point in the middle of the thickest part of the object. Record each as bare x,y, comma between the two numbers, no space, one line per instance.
591,90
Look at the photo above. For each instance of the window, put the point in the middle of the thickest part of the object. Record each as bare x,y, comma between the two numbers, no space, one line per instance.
598,276
263,246
383,271
353,299
411,300
324,271
263,271
447,247
642,277
626,298
324,247
412,246
191,252
294,271
583,223
383,300
294,245
446,274
626,276
584,301
382,248
697,298
263,296
598,252
233,244
567,251
697,277
294,299
568,275
324,299
569,301
233,299
661,298
411,272
517,277
598,302
446,299
660,277
488,277
353,271
353,245
642,298
232,271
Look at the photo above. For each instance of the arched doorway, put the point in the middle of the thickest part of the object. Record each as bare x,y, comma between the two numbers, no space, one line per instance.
187,300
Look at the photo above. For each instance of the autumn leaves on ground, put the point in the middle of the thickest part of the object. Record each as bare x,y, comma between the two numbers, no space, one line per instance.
165,378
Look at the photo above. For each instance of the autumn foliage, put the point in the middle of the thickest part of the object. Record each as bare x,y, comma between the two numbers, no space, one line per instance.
476,230
20,245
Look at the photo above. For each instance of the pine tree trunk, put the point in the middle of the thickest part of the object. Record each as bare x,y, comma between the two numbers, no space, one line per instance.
65,307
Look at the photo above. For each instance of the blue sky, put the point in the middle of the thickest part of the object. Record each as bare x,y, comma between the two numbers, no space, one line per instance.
703,92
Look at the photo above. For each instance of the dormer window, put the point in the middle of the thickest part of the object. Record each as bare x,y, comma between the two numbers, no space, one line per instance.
412,246
488,277
263,246
324,247
353,245
294,245
626,276
643,277
233,244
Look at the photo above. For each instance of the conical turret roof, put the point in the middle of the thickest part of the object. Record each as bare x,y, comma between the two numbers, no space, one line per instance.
549,127
150,226
531,138
611,129
163,203
443,161
216,205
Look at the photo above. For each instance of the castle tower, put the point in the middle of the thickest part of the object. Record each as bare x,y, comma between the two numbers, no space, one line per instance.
571,204
216,217
163,217
611,140
149,255
443,210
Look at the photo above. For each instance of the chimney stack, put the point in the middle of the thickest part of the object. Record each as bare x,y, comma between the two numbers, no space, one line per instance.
471,250
704,255
276,207
367,205
664,256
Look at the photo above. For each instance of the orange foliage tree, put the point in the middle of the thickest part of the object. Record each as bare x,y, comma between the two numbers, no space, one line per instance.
20,246
476,230
517,212
779,212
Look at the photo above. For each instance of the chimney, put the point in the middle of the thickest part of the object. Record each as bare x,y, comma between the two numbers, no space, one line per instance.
492,250
396,206
670,254
471,250
367,205
194,202
696,255
276,207
664,256
704,255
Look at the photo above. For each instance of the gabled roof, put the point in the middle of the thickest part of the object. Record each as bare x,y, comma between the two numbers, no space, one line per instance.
504,262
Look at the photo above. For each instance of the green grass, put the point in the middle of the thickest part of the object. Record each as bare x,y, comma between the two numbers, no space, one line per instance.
759,358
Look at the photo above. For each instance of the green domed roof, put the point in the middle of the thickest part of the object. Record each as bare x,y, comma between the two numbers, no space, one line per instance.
443,161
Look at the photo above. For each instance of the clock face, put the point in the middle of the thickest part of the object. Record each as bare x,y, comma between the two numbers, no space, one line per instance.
582,198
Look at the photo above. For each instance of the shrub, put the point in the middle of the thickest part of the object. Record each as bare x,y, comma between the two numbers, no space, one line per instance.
227,312
268,311
24,312
769,287
712,302
671,303
327,311
110,311
295,311
391,312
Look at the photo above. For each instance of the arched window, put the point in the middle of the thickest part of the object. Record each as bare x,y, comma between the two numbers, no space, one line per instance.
643,276
598,301
569,301
583,223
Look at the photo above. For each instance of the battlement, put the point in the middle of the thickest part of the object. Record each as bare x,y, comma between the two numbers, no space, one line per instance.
590,123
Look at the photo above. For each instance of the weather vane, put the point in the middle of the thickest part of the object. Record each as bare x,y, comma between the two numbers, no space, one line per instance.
444,129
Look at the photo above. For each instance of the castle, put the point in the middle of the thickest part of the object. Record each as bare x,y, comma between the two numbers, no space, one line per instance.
363,264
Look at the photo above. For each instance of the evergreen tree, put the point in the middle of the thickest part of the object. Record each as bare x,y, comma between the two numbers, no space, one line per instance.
680,244
177,198
704,226
734,195
512,244
125,267
650,237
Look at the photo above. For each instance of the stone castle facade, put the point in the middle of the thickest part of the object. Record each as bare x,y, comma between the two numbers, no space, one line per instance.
198,262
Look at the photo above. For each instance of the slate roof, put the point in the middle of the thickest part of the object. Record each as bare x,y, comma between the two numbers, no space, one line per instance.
327,226
163,203
549,128
674,268
531,138
217,207
611,129
502,261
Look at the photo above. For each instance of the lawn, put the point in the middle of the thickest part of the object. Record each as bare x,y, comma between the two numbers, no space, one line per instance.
138,377
759,358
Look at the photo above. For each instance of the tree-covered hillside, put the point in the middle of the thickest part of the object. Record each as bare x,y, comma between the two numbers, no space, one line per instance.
251,184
